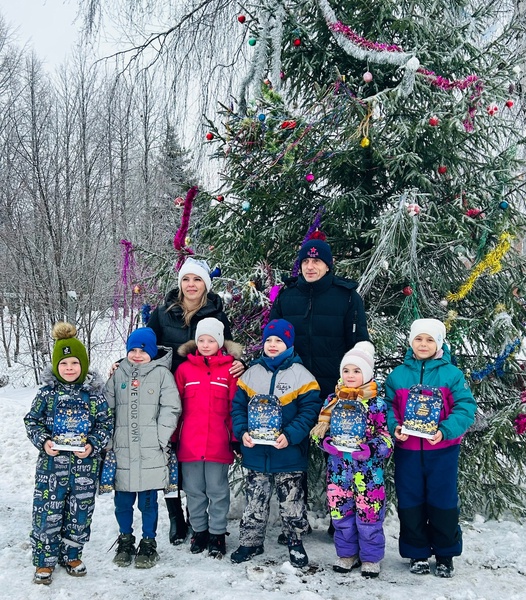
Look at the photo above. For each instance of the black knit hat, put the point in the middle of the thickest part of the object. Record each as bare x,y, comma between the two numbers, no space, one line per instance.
316,249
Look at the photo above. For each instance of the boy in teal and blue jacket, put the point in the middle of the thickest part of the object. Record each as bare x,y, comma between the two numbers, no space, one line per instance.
426,469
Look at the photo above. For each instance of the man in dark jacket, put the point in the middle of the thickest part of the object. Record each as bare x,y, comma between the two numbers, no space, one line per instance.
327,313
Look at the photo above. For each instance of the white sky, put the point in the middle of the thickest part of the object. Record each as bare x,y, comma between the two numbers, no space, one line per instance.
45,25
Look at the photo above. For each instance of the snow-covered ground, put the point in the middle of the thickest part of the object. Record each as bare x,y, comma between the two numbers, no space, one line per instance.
492,567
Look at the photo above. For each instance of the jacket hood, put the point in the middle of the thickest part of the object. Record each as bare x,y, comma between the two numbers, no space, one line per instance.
92,383
230,347
163,359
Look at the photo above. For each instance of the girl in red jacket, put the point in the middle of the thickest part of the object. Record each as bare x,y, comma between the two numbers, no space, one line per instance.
204,435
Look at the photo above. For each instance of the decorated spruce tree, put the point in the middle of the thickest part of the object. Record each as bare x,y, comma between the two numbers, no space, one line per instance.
394,129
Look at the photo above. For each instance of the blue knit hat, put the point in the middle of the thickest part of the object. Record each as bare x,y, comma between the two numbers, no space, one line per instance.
145,339
282,329
316,249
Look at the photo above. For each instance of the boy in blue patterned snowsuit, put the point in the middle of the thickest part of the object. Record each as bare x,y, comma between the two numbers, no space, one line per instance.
65,481
355,480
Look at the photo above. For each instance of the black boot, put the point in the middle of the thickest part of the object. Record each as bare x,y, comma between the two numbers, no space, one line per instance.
178,524
199,541
217,545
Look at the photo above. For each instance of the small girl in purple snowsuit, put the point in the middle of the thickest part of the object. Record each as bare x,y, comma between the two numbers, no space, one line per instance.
355,480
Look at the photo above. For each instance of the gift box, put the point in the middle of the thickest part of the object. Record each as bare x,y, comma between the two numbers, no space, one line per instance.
422,411
348,424
172,489
107,473
264,418
71,425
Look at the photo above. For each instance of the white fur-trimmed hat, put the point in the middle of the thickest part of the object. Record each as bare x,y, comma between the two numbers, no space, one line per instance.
433,327
212,327
195,267
361,356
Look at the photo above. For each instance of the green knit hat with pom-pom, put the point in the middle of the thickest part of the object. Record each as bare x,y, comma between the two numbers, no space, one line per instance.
68,346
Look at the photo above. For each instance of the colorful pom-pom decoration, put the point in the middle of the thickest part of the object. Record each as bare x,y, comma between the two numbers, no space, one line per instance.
209,136
442,169
407,291
367,76
434,121
309,177
241,18
365,142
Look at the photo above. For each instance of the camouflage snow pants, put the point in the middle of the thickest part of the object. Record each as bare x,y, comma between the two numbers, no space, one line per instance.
292,509
63,504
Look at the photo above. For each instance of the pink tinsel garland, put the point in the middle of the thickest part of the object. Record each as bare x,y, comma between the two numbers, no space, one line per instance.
361,41
180,236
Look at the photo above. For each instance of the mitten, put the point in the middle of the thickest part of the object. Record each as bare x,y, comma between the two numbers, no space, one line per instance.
328,447
363,454
319,430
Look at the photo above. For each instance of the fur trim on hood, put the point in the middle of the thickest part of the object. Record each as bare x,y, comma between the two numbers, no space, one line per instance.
92,383
230,347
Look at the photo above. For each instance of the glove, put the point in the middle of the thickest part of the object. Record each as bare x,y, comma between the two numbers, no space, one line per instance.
363,454
328,447
236,447
319,430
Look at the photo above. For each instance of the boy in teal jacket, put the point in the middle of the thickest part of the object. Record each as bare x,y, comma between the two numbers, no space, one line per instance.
426,468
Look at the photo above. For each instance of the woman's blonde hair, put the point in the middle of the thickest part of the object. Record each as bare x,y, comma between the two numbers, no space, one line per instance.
188,314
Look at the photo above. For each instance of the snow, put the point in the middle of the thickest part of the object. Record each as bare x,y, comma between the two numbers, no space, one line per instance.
493,565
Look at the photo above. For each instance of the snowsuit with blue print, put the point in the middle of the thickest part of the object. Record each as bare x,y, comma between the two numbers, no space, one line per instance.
426,475
65,486
268,467
355,488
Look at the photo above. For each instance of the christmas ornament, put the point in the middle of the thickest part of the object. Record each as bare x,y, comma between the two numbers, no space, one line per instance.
509,103
241,18
367,76
433,121
137,289
492,263
262,117
365,142
245,205
384,265
443,302
492,109
407,291
473,213
442,169
310,177
252,41
179,201
209,136
297,42
215,273
503,205
267,82
498,364
187,241
288,125
220,198
413,209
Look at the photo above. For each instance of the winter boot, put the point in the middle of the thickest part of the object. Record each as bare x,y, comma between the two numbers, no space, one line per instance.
199,541
298,556
370,569
178,524
43,575
419,566
125,550
217,545
346,564
244,553
444,567
146,554
75,568
283,539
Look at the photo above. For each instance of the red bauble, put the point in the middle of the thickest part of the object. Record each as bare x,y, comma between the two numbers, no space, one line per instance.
297,42
209,136
241,18
220,198
407,291
179,201
442,169
509,103
433,121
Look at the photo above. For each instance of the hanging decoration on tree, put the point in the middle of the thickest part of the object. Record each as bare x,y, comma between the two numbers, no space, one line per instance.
128,275
180,238
312,233
492,263
497,366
